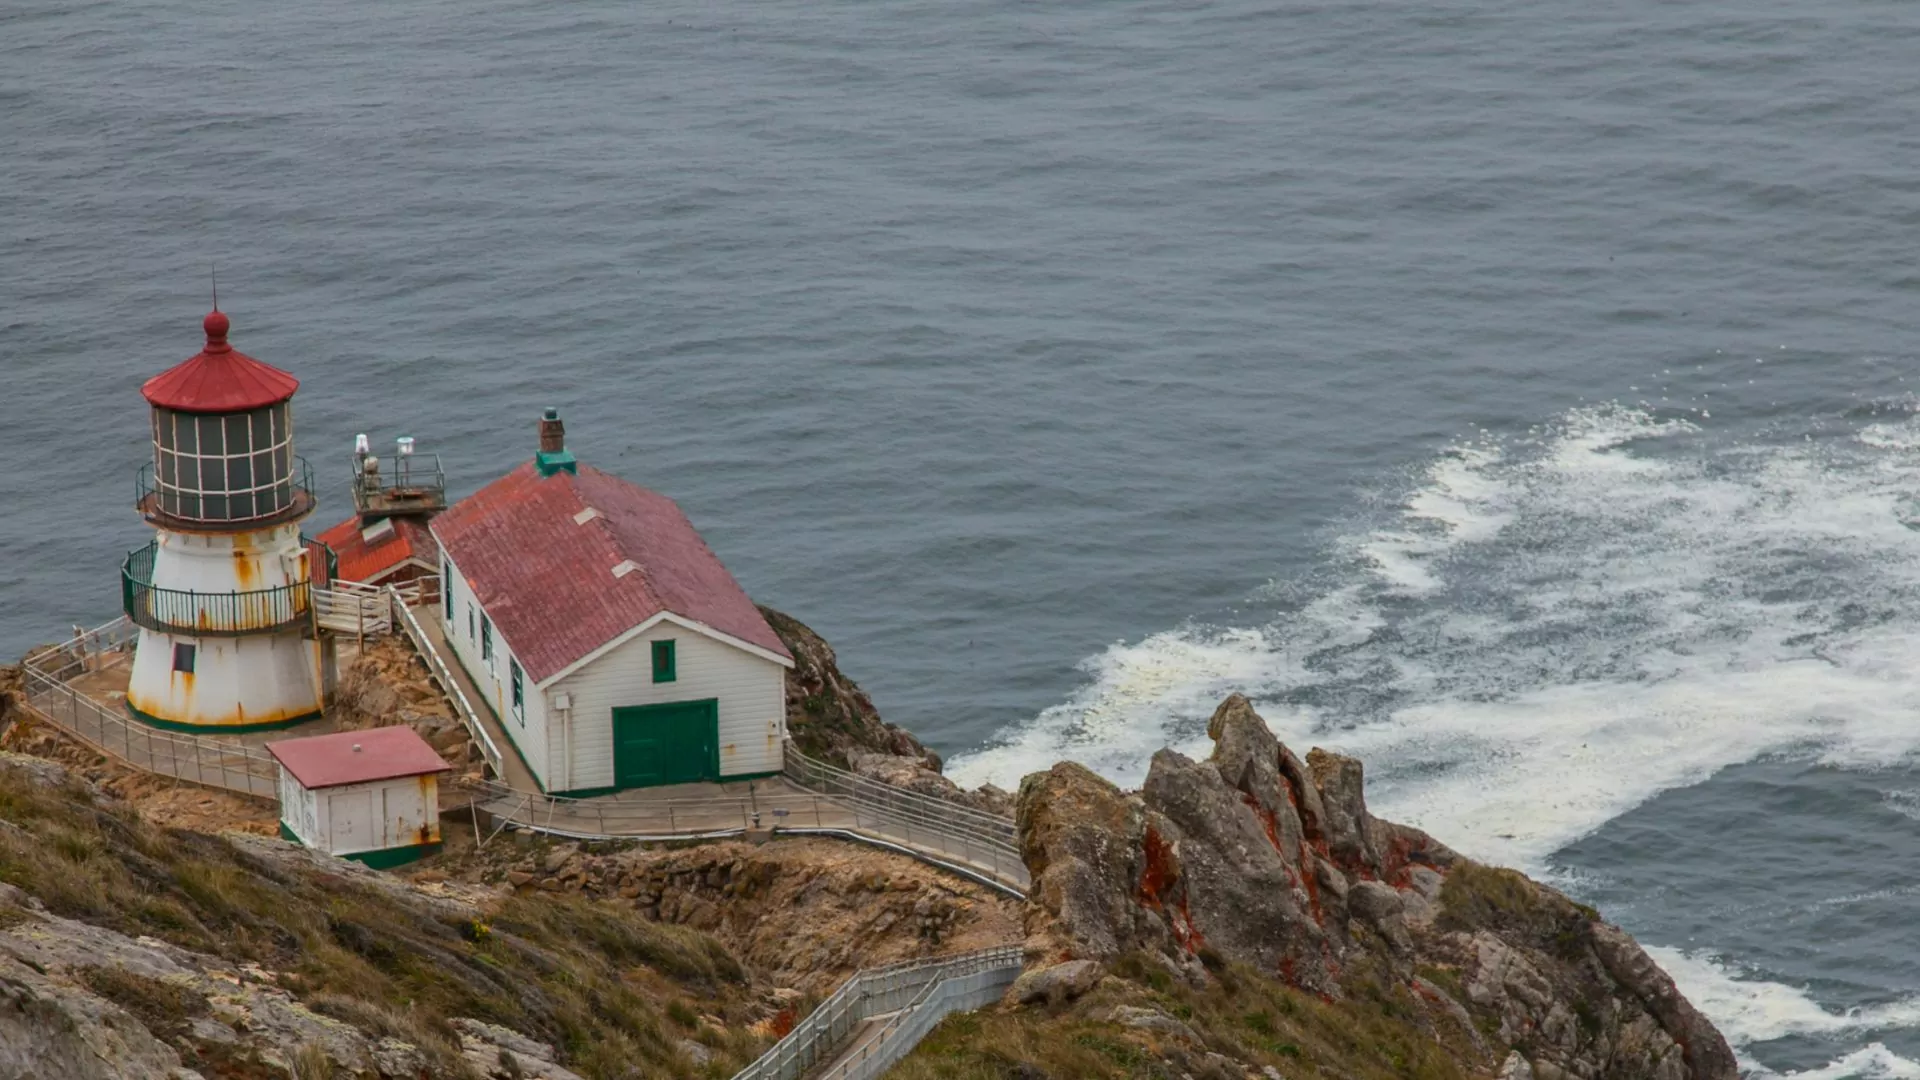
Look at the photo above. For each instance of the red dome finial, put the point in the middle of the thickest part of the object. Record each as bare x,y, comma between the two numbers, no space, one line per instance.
216,326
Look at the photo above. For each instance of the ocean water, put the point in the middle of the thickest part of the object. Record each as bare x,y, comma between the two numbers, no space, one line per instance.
1520,396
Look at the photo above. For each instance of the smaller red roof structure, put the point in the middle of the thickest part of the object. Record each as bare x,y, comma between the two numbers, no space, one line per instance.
371,560
355,757
219,378
566,563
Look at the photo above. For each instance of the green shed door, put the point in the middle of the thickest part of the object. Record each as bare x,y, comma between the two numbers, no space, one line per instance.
676,743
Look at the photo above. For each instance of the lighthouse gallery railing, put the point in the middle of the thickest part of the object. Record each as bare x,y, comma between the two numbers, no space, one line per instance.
217,614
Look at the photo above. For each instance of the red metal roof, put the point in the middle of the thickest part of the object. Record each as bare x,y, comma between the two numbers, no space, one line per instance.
354,757
547,579
219,379
364,561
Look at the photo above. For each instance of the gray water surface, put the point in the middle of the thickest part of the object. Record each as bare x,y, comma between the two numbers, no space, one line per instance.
1516,393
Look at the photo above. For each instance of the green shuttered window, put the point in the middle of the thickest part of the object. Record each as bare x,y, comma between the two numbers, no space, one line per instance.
663,668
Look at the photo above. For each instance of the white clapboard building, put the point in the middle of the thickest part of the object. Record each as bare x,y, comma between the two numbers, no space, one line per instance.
612,645
372,796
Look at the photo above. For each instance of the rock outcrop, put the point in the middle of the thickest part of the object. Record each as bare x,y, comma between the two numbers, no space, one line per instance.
828,715
1258,860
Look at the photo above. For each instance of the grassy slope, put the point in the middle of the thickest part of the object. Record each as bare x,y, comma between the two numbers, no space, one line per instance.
612,990
1378,1032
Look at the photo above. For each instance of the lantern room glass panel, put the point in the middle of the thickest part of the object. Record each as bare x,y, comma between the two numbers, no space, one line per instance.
224,468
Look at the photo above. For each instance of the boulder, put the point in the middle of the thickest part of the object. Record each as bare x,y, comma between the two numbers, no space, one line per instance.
1060,982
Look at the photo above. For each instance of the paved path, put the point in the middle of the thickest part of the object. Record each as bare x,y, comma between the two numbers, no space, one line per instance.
782,806
863,1036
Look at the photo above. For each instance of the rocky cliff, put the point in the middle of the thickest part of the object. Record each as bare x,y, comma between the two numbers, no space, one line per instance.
1246,915
830,718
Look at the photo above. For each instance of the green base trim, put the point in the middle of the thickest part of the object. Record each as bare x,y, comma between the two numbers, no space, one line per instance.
151,720
384,859
388,858
587,792
596,792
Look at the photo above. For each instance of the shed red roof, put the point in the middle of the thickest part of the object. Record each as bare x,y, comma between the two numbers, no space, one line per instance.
544,568
219,379
364,560
354,757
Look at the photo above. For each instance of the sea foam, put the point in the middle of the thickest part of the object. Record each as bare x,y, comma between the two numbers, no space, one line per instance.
1549,631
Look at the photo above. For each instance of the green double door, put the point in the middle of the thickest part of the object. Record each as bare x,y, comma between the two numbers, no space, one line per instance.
676,743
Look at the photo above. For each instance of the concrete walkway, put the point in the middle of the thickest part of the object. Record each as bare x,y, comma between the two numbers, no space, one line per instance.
859,1042
774,804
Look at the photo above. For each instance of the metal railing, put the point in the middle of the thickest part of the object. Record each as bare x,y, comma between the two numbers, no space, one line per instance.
407,484
220,614
323,563
437,665
208,614
919,993
984,855
208,761
911,805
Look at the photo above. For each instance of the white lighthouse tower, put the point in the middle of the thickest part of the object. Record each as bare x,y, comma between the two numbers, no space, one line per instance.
223,596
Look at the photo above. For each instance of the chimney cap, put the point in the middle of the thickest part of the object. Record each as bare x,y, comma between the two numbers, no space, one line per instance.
550,414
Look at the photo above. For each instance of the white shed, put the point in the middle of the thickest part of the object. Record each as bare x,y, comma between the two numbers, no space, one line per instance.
610,642
371,796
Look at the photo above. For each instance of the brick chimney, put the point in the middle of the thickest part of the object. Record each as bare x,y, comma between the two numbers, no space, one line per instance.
554,456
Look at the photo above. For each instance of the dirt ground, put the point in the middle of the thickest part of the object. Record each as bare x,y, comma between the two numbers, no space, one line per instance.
158,799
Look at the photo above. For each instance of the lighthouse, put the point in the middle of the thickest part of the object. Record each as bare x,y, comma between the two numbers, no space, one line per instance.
223,596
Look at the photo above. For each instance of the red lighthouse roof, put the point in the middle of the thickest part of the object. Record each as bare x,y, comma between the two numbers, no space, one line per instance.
219,379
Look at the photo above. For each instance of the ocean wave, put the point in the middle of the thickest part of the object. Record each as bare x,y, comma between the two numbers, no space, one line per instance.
1871,1062
1549,632
1749,1010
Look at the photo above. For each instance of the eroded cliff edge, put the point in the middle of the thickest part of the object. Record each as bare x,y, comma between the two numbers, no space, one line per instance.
1246,914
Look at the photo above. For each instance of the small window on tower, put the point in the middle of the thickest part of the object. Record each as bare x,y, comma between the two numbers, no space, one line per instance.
183,658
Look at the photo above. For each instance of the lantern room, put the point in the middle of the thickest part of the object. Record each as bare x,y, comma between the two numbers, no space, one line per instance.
223,441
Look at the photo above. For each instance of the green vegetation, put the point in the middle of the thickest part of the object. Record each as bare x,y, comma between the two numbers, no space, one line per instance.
1378,1031
599,982
1487,897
